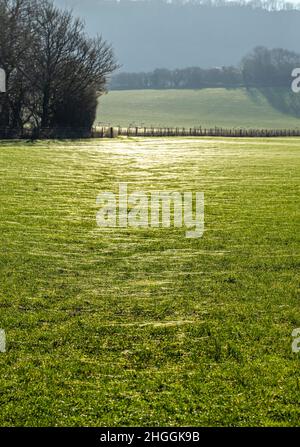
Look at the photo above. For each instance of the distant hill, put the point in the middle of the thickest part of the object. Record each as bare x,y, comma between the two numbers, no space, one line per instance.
152,34
208,108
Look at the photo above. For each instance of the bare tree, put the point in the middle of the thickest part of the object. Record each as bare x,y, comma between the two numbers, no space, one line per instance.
64,61
55,72
15,38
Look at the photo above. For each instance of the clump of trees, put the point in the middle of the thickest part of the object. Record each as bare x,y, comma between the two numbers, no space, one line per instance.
269,68
270,71
55,72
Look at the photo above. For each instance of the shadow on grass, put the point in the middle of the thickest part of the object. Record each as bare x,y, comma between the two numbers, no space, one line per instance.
280,98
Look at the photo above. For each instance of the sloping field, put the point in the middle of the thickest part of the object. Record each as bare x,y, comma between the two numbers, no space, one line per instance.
143,326
207,108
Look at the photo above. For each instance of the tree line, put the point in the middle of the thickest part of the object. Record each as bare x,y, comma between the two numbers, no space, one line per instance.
261,68
54,71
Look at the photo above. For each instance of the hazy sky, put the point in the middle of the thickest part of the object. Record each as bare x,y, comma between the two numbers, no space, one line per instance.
72,2
149,35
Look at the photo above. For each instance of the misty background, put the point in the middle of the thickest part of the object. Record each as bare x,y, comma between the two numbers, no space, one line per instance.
154,34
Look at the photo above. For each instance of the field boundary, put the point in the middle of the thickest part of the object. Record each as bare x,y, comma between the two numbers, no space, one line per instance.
113,132
132,131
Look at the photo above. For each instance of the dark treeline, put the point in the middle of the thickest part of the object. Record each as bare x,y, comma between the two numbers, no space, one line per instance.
192,77
54,71
261,68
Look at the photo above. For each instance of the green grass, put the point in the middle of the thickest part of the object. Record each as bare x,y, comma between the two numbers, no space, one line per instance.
145,327
208,108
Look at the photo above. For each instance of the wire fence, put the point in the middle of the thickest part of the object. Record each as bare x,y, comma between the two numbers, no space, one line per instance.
113,132
117,131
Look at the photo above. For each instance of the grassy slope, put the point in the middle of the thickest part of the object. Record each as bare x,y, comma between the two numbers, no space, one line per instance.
136,327
208,108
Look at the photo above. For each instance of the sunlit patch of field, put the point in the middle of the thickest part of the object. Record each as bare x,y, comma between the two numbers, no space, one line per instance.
210,107
143,326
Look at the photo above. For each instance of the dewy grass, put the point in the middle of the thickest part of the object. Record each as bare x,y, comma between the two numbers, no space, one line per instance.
144,327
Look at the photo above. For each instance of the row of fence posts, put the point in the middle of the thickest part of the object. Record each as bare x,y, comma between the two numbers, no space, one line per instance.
113,132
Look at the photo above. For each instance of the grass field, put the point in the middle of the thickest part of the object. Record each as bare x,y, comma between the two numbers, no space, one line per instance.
207,107
145,327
